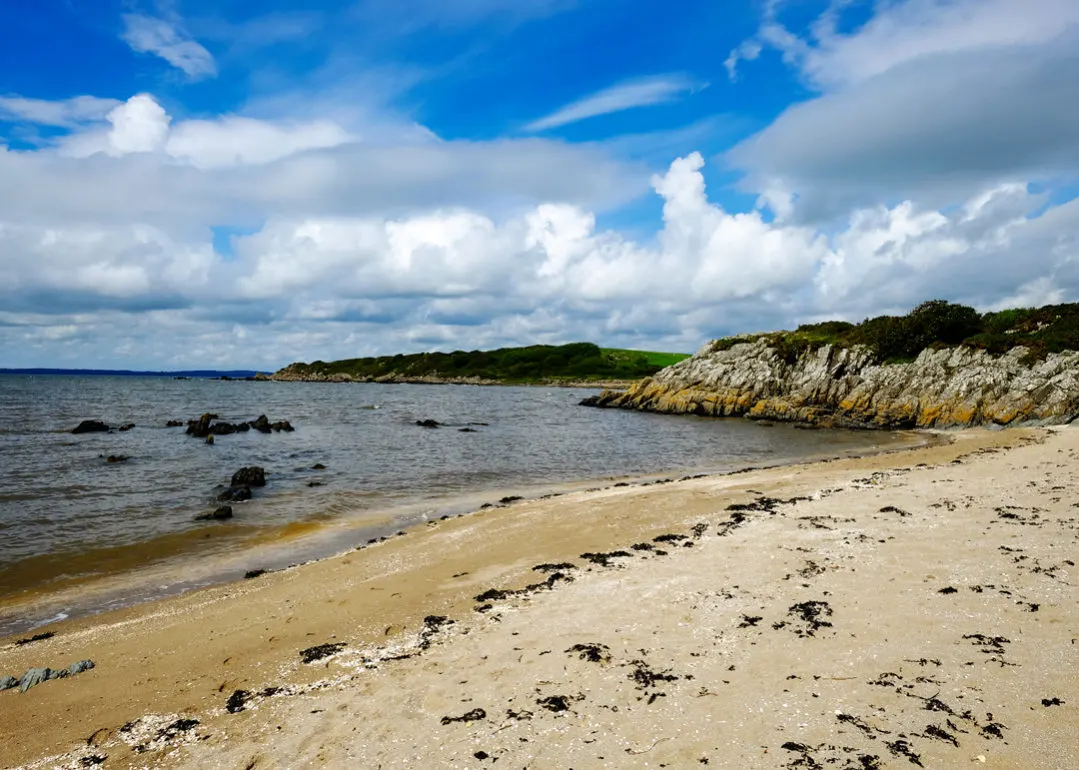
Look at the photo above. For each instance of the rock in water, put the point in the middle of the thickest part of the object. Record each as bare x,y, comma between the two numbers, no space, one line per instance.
252,476
174,424
429,423
220,514
91,426
126,427
261,424
235,494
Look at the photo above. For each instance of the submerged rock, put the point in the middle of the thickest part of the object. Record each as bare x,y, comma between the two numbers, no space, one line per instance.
219,514
235,494
429,423
126,427
174,424
90,426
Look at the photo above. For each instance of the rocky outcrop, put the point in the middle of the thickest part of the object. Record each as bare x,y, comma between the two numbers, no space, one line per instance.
90,426
951,387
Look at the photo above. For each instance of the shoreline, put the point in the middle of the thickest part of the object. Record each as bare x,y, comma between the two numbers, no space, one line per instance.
299,543
184,656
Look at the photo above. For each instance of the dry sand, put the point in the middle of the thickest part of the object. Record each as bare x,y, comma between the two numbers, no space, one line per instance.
915,609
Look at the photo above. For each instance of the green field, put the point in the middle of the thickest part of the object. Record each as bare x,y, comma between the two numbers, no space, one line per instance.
578,361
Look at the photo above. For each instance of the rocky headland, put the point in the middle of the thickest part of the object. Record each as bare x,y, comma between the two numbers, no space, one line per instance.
835,385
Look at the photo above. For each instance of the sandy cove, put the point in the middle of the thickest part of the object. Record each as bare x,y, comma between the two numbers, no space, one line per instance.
913,609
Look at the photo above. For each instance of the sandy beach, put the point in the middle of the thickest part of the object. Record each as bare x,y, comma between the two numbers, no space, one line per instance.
918,608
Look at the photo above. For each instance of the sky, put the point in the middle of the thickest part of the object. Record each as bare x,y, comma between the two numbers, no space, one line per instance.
225,184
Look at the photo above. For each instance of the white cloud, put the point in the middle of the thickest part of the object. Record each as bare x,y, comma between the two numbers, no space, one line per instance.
237,141
170,41
65,113
624,96
904,31
330,287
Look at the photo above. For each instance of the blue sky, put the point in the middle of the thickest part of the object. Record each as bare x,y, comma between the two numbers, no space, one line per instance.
186,183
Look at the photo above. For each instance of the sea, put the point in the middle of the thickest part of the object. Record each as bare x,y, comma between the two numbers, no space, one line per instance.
80,534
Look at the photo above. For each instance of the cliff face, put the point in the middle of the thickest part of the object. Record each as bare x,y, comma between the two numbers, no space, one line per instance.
953,387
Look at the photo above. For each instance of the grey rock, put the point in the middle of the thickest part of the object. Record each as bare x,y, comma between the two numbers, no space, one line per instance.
79,666
7,682
33,678
950,387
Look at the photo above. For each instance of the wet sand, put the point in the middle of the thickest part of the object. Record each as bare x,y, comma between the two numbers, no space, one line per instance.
912,609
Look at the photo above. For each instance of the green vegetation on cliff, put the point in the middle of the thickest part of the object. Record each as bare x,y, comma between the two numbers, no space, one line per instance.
579,361
936,324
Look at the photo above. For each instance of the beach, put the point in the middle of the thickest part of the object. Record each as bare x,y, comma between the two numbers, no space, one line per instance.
914,608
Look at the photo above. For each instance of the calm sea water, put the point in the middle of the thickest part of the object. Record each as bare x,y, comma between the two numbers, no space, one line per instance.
78,533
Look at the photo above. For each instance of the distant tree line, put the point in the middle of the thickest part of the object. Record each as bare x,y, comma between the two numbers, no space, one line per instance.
535,363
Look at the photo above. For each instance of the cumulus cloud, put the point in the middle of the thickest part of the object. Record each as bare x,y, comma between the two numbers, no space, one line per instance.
644,92
454,277
929,100
170,41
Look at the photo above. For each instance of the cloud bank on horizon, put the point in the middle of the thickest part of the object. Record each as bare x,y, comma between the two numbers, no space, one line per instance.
185,184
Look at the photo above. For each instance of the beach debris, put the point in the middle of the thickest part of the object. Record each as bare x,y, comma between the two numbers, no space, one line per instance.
604,559
1047,702
432,625
749,621
91,760
254,573
993,729
938,732
669,538
893,509
35,638
646,678
556,703
90,426
475,715
559,567
250,476
429,423
510,499
902,748
320,651
237,702
948,590
498,594
218,514
810,617
593,653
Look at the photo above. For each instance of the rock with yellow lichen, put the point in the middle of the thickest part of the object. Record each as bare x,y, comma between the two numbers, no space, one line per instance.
846,386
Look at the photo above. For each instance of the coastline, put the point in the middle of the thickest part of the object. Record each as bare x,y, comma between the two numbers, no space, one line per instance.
31,608
183,657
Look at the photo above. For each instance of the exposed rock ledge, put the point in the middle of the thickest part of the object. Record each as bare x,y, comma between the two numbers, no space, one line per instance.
952,387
